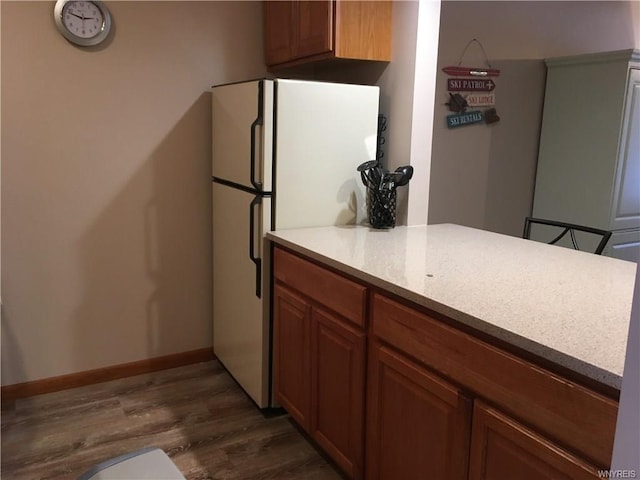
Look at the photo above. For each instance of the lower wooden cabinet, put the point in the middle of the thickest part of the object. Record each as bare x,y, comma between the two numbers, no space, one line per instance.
418,425
440,402
292,354
573,416
319,358
502,448
337,387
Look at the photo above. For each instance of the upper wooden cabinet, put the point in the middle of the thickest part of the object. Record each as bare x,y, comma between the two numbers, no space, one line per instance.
298,32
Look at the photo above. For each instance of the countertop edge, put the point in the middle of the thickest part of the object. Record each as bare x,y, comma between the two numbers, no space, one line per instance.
576,365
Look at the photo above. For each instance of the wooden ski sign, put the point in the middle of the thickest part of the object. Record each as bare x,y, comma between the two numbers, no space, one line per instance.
462,119
481,99
471,72
470,85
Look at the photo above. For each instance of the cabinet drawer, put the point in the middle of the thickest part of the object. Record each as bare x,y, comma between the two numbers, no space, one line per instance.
343,296
575,416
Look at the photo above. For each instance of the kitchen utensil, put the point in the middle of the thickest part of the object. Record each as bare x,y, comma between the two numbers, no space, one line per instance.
390,180
371,173
407,173
365,179
376,173
367,165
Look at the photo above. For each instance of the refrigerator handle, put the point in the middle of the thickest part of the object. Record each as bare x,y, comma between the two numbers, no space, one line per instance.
258,121
257,201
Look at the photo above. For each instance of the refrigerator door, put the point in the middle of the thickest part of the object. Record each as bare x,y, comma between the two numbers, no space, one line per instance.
323,132
242,119
240,326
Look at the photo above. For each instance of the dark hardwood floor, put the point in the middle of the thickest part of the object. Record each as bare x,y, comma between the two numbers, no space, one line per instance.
196,414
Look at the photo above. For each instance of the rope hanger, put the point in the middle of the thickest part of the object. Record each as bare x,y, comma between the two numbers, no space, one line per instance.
461,71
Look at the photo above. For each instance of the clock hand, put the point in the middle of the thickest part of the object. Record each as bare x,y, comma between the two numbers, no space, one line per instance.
81,17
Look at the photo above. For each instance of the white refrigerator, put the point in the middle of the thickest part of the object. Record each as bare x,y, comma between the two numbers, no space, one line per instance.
285,154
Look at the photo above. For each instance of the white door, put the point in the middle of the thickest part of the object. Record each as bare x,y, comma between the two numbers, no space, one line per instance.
241,133
626,212
624,245
240,325
323,132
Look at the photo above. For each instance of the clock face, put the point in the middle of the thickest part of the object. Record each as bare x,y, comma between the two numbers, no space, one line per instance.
83,19
85,23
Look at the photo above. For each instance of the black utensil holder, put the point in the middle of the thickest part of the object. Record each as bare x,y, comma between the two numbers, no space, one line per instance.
381,207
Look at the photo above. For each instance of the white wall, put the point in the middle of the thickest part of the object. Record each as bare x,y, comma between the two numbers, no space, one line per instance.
107,236
106,203
483,175
408,90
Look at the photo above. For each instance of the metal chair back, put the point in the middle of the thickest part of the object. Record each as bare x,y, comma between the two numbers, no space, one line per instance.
569,228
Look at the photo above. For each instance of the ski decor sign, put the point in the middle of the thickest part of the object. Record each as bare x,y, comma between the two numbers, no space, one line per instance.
462,119
470,85
480,99
471,88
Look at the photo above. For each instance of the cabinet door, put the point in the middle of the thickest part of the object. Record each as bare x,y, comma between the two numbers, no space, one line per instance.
314,28
626,210
624,245
501,448
279,18
338,369
418,425
292,355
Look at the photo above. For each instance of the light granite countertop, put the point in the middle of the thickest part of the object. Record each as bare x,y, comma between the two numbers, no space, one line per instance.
572,308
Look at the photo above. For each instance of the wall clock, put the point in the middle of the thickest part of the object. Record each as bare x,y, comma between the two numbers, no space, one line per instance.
85,23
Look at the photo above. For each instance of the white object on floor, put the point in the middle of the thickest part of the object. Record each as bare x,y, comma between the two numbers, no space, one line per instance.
146,464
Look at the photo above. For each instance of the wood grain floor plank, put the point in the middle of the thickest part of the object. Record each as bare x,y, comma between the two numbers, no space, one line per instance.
197,414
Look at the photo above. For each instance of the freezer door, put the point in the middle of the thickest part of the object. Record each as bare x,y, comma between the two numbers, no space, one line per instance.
324,131
240,316
242,119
